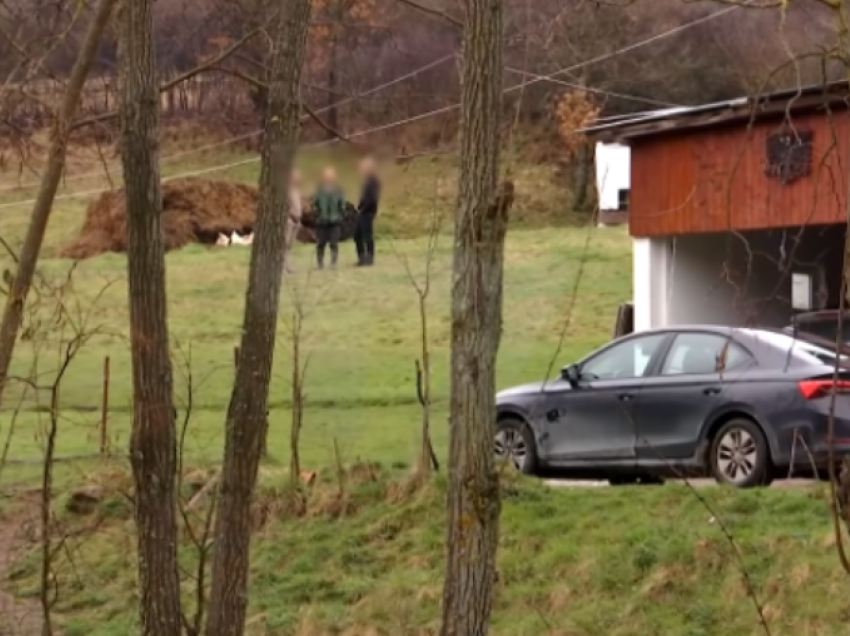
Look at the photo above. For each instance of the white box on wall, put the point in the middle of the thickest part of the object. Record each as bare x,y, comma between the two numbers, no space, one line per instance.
801,291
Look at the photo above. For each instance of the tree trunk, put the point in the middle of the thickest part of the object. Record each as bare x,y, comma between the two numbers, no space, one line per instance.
426,462
333,84
480,225
153,444
28,258
297,404
584,186
246,414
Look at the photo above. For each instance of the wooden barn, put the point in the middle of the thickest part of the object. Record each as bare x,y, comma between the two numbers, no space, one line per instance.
738,210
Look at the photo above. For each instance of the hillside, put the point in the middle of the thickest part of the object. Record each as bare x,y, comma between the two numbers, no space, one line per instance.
573,562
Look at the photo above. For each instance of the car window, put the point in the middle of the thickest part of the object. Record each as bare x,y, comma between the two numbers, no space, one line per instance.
812,354
628,359
699,353
798,347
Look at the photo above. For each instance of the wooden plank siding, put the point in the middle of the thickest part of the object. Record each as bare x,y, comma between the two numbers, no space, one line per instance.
713,179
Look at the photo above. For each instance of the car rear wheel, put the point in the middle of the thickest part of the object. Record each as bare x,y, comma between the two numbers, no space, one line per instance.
514,443
740,455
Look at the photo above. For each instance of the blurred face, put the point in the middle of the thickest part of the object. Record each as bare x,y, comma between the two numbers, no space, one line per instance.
367,166
329,176
295,178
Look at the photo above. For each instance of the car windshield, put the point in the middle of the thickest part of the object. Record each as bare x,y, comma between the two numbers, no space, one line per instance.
802,349
825,327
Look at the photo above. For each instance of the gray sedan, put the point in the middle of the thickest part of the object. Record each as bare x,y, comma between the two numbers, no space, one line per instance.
741,405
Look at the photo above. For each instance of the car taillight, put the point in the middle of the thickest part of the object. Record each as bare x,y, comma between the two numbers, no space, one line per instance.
814,389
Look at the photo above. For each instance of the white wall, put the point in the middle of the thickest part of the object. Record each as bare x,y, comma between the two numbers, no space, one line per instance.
613,173
731,279
650,264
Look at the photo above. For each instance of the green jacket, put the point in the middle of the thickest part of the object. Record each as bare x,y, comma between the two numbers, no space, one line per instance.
329,204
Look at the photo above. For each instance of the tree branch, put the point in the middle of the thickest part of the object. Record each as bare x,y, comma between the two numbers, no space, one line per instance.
209,65
433,12
312,114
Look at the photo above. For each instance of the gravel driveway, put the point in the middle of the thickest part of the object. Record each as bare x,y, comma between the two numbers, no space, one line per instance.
699,483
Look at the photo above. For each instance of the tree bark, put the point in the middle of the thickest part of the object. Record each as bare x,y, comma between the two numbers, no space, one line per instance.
28,257
583,186
333,83
427,460
297,402
246,414
153,444
480,225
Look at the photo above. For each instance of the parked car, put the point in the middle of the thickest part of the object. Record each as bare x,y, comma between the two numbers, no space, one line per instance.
823,324
741,405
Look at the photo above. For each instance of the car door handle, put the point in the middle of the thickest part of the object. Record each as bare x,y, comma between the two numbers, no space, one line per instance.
711,390
625,397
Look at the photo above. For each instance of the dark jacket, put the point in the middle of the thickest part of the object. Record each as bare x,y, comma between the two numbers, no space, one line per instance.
370,197
329,204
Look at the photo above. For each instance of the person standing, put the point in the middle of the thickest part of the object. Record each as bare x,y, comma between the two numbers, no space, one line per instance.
329,206
367,210
293,220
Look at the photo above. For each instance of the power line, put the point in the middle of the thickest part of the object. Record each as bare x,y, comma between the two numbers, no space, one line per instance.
627,49
591,89
254,133
542,78
428,114
202,171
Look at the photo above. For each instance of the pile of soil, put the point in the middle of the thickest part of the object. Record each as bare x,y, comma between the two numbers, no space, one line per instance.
195,210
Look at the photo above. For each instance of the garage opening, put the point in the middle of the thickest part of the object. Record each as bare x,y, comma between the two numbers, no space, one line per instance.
748,278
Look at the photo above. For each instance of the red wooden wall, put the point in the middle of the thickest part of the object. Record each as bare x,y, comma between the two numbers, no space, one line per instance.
713,179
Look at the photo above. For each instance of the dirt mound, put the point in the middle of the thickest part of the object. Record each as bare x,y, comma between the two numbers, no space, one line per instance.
195,210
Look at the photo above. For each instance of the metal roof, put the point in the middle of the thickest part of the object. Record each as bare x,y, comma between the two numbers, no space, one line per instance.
621,128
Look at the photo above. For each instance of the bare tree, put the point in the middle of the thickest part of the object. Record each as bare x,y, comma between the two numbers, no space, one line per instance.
299,373
480,226
153,445
19,289
247,412
426,458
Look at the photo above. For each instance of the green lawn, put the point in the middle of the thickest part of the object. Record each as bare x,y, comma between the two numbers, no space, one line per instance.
619,562
361,331
624,561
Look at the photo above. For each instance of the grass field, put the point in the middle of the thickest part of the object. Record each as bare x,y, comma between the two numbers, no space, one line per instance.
583,562
586,562
361,331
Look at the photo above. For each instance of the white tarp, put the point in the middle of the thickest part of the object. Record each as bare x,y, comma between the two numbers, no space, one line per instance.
613,166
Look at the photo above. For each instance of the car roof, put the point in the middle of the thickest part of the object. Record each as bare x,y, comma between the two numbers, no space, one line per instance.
750,335
724,330
767,341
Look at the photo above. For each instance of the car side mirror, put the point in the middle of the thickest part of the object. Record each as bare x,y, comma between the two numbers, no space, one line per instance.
571,374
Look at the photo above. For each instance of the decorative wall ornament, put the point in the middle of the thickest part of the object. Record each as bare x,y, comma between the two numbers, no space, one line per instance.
789,155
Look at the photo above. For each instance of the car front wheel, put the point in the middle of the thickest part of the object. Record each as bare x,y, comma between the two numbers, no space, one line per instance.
740,455
514,443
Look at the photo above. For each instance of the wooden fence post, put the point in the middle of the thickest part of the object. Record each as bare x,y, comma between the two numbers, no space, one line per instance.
104,411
